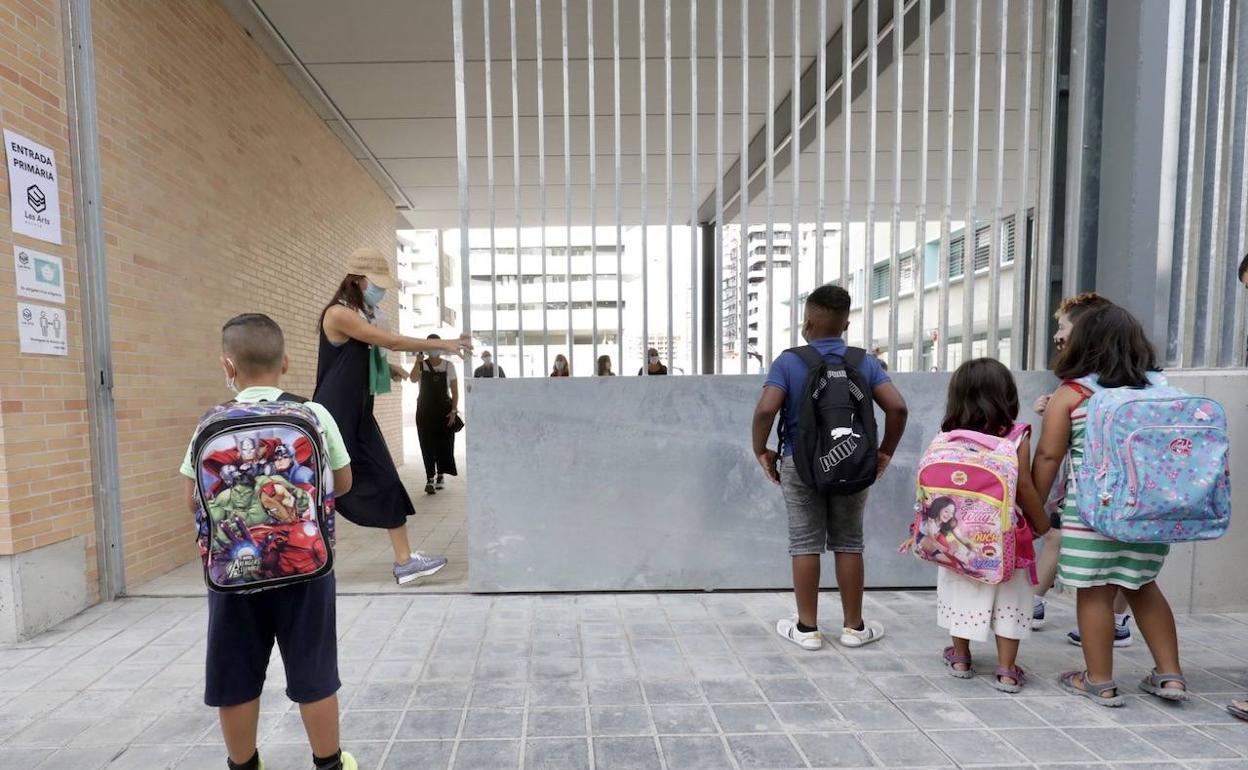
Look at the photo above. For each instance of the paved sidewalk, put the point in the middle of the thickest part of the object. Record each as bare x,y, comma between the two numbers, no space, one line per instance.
613,682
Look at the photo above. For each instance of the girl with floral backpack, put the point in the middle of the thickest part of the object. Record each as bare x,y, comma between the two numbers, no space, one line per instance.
1107,345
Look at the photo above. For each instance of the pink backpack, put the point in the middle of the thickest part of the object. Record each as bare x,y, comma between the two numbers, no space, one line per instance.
964,512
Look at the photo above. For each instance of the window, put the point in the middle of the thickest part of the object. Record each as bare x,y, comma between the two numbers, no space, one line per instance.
880,275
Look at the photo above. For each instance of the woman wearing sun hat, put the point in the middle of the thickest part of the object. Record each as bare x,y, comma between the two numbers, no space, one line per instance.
351,370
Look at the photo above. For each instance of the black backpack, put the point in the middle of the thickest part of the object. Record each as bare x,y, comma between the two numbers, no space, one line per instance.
835,450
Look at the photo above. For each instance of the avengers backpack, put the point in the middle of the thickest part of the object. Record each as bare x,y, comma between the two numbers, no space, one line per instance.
265,495
964,508
1155,464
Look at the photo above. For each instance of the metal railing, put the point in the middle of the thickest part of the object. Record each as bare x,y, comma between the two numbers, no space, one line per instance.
951,117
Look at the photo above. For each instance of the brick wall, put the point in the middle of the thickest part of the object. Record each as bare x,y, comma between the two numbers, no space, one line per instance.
224,193
45,472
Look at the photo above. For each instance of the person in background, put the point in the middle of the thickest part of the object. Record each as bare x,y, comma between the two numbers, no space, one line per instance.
818,523
350,372
879,356
437,409
488,369
1068,312
561,367
604,367
654,366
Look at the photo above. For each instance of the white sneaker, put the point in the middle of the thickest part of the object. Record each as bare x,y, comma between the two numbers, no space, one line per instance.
807,640
872,631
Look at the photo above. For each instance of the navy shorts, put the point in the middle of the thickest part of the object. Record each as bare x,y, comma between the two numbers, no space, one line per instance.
243,627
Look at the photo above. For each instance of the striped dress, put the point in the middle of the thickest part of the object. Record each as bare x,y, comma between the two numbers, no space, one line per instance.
1088,558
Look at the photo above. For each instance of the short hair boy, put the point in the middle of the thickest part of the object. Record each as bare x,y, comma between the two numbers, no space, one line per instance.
817,522
300,617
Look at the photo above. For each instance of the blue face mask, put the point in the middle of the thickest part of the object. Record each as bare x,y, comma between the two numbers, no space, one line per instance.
373,295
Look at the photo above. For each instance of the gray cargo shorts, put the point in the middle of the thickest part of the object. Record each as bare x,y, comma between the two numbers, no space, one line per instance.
818,523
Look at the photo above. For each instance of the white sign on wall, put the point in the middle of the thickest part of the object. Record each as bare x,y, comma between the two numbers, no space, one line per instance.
39,275
34,195
42,329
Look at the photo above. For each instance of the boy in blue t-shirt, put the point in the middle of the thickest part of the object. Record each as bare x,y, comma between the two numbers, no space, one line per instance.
816,522
300,617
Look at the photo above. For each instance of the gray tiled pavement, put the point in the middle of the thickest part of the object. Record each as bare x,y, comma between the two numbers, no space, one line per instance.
672,681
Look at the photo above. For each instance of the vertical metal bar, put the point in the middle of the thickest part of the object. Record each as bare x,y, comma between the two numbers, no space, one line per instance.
541,194
461,152
1041,304
847,118
920,215
743,165
994,248
693,190
567,182
946,214
1177,352
1231,345
769,343
894,246
821,173
93,284
1208,257
719,188
1233,296
795,156
970,239
515,194
490,183
1079,155
1018,354
868,301
619,231
645,192
593,185
667,171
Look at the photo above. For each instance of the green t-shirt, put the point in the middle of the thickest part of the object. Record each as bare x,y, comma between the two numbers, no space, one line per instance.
338,457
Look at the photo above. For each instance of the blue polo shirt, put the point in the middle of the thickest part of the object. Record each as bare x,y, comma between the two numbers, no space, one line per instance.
788,373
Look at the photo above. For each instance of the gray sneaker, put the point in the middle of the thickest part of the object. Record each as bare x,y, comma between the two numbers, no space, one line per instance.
417,567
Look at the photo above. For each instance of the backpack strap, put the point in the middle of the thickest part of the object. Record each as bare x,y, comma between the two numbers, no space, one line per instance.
855,356
292,398
809,355
1018,433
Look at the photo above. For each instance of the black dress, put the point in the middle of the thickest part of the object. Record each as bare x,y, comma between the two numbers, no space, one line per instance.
377,497
433,405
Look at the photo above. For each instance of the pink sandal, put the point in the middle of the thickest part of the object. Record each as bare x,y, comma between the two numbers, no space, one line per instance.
953,660
1009,672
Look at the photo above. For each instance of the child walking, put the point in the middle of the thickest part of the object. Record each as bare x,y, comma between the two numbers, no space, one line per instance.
257,495
1109,344
983,398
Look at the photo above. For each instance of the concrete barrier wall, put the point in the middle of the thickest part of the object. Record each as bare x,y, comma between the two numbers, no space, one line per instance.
630,484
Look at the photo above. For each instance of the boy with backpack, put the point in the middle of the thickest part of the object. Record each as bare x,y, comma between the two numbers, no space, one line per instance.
261,474
828,458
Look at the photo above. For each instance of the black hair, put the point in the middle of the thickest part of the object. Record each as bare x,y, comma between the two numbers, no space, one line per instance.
1243,267
1110,343
604,364
254,342
982,398
830,297
433,337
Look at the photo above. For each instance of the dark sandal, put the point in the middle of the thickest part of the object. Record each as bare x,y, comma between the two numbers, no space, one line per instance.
1093,691
1155,684
1237,711
1009,672
952,659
